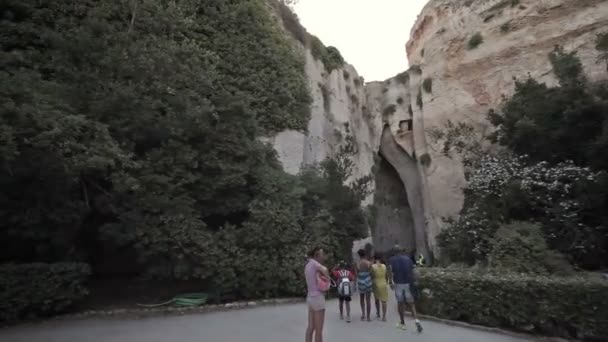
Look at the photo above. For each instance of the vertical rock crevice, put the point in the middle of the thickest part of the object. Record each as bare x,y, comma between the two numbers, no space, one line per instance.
407,169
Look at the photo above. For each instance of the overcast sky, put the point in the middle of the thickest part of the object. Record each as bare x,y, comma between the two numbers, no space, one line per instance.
370,34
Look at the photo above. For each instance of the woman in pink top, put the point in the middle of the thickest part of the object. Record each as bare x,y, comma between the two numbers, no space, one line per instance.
315,297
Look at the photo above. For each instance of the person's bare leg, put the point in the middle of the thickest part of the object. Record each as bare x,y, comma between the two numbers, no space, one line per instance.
417,322
341,305
362,302
347,311
384,311
401,309
413,309
311,326
319,318
377,302
368,300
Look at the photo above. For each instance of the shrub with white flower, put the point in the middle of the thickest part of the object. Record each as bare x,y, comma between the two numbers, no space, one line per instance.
503,187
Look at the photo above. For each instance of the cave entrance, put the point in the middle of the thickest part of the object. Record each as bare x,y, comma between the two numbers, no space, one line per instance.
394,220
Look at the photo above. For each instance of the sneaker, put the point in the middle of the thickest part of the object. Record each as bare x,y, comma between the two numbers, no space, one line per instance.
401,326
419,327
347,319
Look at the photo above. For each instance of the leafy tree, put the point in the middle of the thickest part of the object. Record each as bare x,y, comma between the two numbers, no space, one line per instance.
570,118
558,181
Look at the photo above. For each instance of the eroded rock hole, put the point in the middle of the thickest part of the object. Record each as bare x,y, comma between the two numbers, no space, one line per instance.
394,222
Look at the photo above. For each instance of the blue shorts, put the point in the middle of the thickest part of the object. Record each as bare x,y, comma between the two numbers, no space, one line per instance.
403,293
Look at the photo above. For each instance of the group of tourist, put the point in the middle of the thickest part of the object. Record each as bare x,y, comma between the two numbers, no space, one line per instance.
370,275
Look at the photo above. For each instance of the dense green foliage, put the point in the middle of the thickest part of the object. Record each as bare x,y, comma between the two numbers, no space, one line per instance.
571,118
331,209
566,307
559,182
521,247
330,56
35,290
129,139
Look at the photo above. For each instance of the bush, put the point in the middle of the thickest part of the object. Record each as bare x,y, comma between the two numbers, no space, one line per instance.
330,56
521,247
38,290
427,85
291,22
475,41
567,307
565,199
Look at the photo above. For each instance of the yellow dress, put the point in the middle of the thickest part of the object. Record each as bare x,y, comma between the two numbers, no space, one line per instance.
380,285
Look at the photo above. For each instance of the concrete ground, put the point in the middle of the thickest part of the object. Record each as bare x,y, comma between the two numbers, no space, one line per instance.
283,323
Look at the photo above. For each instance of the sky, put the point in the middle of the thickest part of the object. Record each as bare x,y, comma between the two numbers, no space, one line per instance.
370,34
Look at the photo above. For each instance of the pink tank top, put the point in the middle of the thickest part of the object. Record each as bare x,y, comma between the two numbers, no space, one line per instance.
310,273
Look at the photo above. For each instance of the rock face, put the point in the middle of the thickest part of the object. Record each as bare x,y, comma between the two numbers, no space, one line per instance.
518,36
336,113
416,185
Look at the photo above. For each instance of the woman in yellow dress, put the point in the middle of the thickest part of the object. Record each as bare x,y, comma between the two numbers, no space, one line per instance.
380,277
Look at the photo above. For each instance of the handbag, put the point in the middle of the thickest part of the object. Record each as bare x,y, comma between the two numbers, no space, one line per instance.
323,283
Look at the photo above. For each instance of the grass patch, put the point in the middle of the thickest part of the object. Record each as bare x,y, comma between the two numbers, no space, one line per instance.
475,41
427,85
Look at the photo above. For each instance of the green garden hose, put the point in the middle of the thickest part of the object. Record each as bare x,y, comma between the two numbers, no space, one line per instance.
188,299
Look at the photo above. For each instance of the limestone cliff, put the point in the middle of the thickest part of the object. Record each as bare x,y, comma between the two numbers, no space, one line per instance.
451,79
467,81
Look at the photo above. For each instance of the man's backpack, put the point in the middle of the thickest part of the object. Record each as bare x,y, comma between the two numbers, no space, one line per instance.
344,286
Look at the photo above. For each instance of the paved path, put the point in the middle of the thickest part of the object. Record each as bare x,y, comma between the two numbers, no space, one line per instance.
283,323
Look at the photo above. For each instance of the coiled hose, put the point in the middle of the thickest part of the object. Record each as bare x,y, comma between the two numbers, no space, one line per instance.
187,299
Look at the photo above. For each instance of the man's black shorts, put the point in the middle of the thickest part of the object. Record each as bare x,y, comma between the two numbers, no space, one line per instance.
345,298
